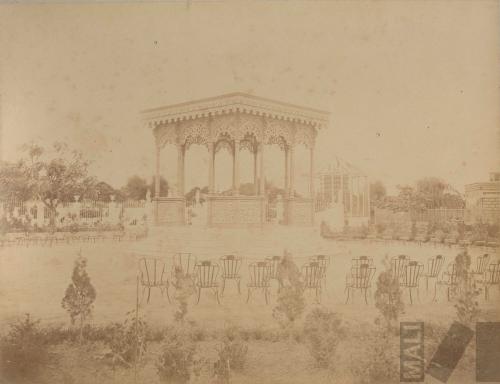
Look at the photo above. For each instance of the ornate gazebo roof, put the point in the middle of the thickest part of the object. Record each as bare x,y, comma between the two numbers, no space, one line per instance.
235,116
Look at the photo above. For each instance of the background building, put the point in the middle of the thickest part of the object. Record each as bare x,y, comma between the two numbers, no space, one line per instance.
344,194
482,200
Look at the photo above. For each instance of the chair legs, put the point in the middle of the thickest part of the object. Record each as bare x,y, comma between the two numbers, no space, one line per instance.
265,291
216,292
238,283
348,289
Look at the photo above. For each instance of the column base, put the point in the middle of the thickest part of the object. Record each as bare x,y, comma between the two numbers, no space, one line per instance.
169,211
236,211
299,211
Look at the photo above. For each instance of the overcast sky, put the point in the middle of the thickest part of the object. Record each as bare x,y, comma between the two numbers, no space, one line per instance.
412,87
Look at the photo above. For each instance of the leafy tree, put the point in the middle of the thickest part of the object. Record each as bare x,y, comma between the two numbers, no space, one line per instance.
80,294
52,176
104,191
14,182
137,187
377,191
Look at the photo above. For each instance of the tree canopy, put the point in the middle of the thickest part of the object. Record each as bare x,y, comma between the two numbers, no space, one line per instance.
137,187
51,175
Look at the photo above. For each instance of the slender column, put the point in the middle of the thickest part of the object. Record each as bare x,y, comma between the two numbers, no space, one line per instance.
211,167
157,175
292,173
236,167
255,185
367,198
311,172
287,171
180,169
262,176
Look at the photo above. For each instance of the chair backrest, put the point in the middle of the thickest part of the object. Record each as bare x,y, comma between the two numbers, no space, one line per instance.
274,262
206,273
412,273
259,273
361,276
186,262
452,273
323,260
231,265
361,260
482,263
152,271
398,265
493,273
434,265
312,274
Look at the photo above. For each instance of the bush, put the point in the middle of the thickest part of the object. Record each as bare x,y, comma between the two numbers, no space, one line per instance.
290,301
323,332
23,350
80,294
467,305
176,362
378,363
184,288
232,355
388,296
127,344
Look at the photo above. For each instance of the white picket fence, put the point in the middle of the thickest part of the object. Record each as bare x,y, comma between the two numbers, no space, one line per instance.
88,212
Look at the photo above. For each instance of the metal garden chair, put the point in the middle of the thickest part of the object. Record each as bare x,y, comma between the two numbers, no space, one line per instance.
411,278
449,278
491,277
153,274
259,278
206,278
434,265
186,262
312,275
231,265
359,278
274,263
481,267
324,262
398,265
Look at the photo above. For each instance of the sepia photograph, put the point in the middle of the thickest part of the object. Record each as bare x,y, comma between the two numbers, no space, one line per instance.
237,192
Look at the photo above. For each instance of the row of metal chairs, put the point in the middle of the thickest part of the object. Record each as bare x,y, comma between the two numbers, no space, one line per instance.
215,275
409,273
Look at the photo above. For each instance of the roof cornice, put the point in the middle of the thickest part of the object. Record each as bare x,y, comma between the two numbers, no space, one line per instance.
235,102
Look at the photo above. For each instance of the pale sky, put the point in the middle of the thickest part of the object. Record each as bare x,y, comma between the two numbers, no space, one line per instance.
412,87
